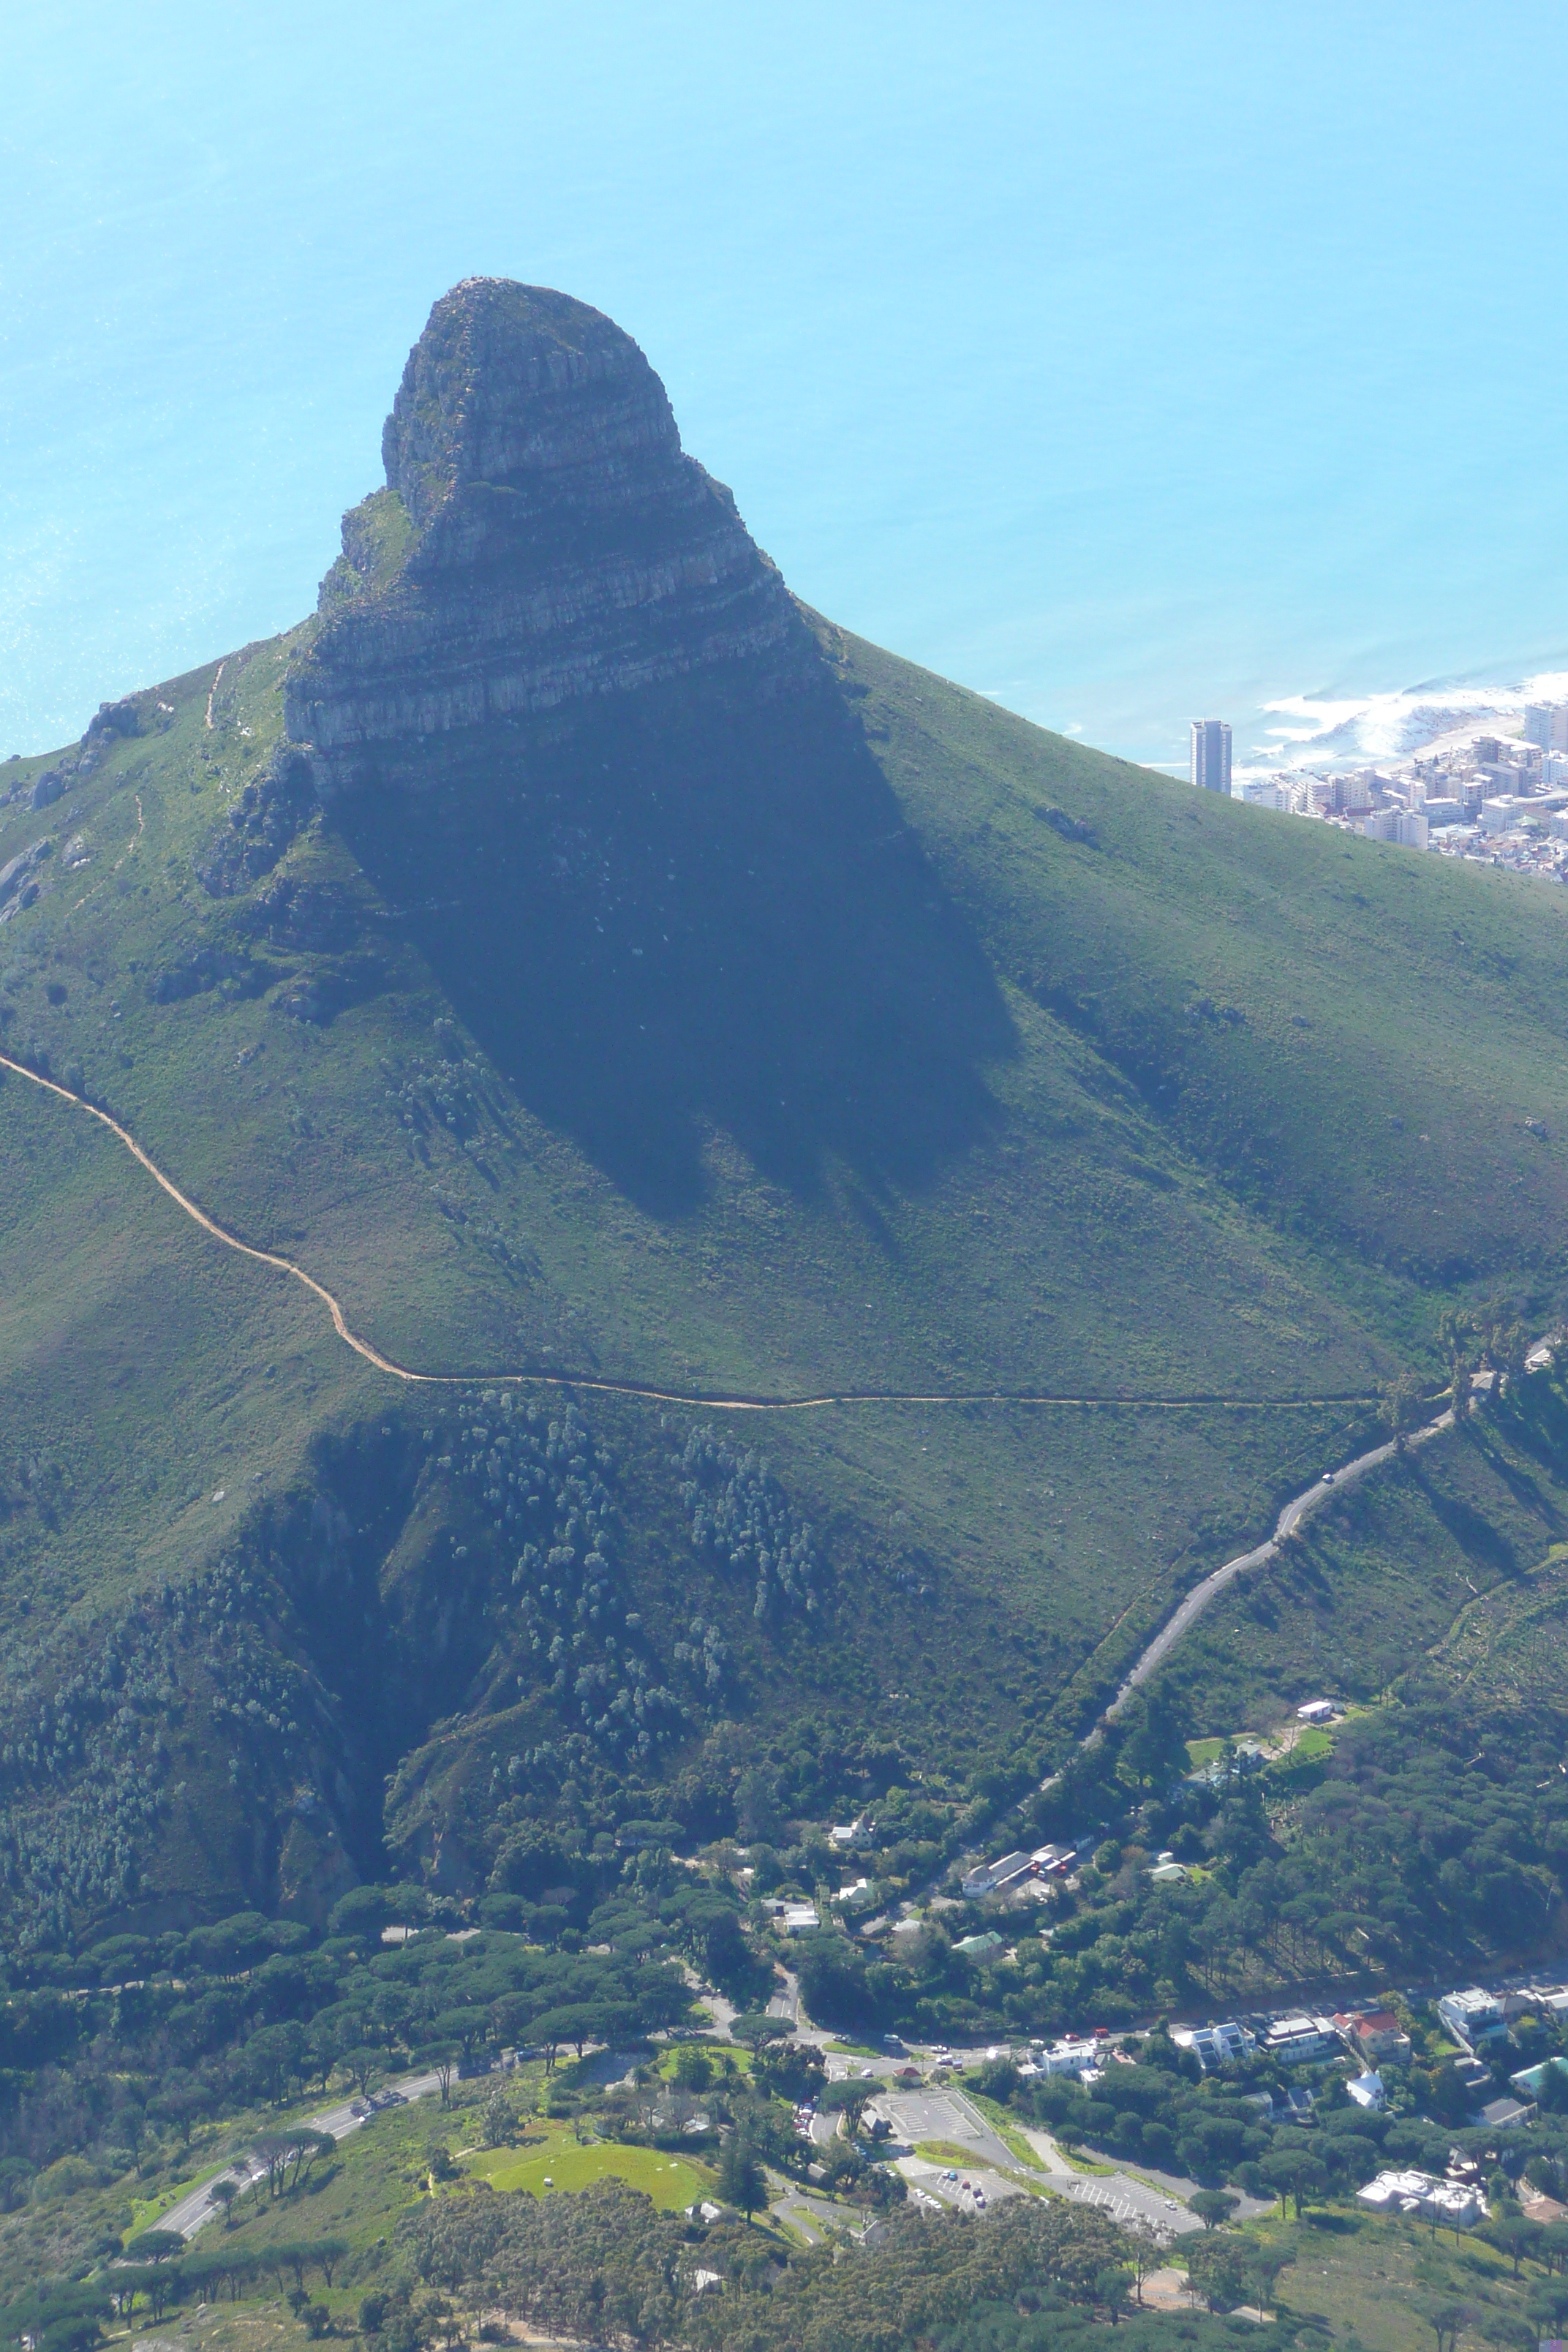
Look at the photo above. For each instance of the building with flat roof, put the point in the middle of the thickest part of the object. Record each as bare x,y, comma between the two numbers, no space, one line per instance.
1546,724
1211,755
1216,2045
1472,2017
1295,2040
1452,2202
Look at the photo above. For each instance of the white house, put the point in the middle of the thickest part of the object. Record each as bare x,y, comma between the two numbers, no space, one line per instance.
1216,2045
996,1877
1452,2202
1295,2040
853,1900
1066,2057
1472,2017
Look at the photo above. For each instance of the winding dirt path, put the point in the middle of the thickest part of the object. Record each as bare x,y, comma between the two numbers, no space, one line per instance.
1154,1652
694,1396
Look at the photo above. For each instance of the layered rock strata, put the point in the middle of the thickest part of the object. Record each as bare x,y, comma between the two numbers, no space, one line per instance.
543,540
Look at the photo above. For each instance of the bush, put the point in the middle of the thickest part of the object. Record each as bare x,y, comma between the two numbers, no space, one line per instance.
63,2179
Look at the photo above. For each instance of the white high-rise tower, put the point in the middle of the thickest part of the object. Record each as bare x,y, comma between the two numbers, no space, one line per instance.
1211,755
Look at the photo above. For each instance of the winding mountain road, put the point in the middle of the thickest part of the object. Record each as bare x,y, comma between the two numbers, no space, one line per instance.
1189,1610
1301,1507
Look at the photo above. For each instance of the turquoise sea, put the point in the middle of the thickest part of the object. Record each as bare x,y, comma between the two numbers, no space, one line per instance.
1121,362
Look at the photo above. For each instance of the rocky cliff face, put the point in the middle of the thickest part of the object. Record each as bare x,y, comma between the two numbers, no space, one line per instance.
542,541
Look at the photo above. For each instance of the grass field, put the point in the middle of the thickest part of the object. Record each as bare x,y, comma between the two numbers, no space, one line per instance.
672,2181
946,2151
1365,2278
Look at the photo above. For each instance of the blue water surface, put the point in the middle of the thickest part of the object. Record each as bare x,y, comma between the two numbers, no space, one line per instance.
1121,360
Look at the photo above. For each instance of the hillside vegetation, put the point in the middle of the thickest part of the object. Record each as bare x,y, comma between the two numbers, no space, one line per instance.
1222,1101
631,1001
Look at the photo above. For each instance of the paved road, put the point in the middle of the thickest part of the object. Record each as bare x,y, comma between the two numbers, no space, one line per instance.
786,2004
195,2212
976,2186
916,2116
1215,1583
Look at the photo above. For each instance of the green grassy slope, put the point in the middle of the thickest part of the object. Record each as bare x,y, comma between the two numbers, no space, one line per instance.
1446,1568
1210,1102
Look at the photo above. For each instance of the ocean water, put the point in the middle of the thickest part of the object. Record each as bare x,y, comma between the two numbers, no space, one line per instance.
1123,362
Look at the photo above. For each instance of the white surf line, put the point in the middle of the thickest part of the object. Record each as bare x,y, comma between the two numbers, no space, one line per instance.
695,1400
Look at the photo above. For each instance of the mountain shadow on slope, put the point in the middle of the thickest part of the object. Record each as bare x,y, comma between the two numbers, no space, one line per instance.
690,909
572,722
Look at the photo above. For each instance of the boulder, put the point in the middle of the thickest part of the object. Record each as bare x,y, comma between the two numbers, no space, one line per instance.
112,719
14,874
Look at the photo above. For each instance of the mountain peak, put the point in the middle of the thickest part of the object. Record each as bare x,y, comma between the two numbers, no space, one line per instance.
527,390
543,539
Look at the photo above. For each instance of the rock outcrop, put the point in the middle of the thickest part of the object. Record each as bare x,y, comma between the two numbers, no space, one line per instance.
18,888
542,541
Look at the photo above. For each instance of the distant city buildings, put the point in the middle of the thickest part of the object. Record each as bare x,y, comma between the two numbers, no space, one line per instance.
1211,755
1546,724
1499,800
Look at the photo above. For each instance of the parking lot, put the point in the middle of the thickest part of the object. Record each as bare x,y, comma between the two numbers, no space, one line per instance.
918,2116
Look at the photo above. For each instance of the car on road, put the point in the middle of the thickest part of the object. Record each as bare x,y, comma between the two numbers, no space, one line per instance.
1328,1478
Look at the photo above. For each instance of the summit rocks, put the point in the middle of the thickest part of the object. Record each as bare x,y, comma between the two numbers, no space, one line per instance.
543,540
